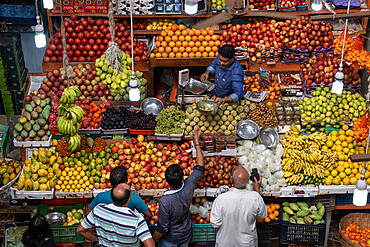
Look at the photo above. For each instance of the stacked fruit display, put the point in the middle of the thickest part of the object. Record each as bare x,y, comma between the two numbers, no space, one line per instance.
262,5
331,108
273,90
186,43
272,212
169,121
162,24
122,93
41,172
75,216
85,78
360,237
153,207
304,160
218,171
200,210
321,69
115,118
93,113
225,120
69,116
302,213
32,125
344,172
87,39
292,3
8,170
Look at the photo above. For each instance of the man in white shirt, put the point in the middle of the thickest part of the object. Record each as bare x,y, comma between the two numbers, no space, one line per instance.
235,212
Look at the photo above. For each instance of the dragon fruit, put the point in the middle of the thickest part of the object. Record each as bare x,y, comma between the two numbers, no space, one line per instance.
85,123
107,104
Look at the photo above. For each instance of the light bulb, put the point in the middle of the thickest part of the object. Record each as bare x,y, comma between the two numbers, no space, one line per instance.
134,92
48,4
40,40
316,5
338,83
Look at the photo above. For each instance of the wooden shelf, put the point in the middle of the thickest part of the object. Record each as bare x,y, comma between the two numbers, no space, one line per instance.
134,16
50,67
181,62
278,67
338,11
351,207
158,32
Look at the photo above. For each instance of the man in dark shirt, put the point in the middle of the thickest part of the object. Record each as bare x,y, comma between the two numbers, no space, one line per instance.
174,224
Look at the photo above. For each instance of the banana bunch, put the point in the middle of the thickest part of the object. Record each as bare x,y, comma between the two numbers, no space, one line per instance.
291,165
74,142
294,178
69,96
311,155
318,137
291,152
67,126
76,111
329,158
317,171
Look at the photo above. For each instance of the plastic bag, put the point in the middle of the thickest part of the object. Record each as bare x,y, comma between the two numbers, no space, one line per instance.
207,205
271,180
281,182
260,148
279,174
275,187
361,128
268,188
267,153
279,150
193,209
203,212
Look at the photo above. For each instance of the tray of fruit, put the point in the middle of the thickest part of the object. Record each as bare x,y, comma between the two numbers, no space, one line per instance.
171,137
10,171
25,144
262,5
90,131
292,5
115,131
31,194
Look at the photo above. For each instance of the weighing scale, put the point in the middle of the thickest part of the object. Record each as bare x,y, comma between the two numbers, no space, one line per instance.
194,87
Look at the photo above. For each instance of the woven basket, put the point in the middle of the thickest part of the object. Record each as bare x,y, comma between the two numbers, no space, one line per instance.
360,219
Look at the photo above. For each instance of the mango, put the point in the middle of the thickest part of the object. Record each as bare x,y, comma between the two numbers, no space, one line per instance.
319,205
285,216
322,211
28,184
36,185
42,173
20,184
42,180
292,220
303,213
300,221
35,167
294,206
308,220
315,216
43,187
288,210
302,204
35,177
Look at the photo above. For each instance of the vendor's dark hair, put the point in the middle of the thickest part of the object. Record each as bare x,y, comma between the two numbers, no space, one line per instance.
227,51
174,176
121,200
37,233
118,176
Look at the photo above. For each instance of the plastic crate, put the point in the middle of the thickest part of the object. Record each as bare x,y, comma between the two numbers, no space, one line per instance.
63,234
293,233
268,230
203,233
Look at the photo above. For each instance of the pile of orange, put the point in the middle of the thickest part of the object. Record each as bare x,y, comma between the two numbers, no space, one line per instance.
179,42
273,90
272,212
358,236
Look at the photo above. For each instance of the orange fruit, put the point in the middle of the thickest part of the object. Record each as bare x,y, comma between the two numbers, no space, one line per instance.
204,43
211,54
170,33
171,55
167,39
160,49
168,49
194,49
272,206
198,54
184,32
214,48
181,38
175,49
188,38
178,43
191,32
211,43
201,38
211,32
152,55
272,216
198,43
191,43
171,44
205,54
188,49
201,49
174,28
269,210
259,220
204,32
277,206
191,54
208,49
160,38
178,55
165,55
194,38
158,55
157,44
214,37
217,43
185,54
181,49
207,38
197,32
163,33
267,219
175,38
181,27
163,43
185,43
178,33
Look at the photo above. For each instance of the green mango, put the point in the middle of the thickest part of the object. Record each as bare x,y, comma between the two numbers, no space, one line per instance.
308,220
300,221
294,206
302,204
285,216
303,213
288,210
315,216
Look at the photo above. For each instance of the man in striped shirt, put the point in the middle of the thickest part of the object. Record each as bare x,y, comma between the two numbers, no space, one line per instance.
116,224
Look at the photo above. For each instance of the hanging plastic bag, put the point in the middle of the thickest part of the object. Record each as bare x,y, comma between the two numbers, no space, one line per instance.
207,205
361,127
203,212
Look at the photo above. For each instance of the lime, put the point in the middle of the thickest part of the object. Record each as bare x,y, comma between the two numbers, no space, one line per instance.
77,215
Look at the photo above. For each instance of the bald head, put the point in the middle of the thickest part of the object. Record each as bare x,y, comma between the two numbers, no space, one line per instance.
121,194
241,177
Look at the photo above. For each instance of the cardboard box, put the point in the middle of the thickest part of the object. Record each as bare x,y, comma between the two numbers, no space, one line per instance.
79,6
90,6
4,136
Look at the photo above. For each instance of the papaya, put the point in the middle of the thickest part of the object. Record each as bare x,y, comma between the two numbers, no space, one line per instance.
45,160
6,181
44,166
42,173
28,184
27,169
35,167
53,159
319,205
36,185
294,206
292,220
315,216
303,213
52,182
322,211
308,220
300,221
285,216
288,210
27,175
35,176
302,204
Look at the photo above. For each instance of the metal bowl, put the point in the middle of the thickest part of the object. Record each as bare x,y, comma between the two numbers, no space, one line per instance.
269,137
152,105
247,129
55,218
201,104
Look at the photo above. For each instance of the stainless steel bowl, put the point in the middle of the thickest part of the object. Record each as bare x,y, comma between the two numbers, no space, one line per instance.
247,129
55,218
204,103
269,137
152,105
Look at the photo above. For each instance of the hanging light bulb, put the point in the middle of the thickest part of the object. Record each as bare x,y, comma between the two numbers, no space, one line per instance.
48,4
316,5
338,83
40,38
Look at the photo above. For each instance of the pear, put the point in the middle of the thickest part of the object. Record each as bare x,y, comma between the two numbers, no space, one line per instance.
104,67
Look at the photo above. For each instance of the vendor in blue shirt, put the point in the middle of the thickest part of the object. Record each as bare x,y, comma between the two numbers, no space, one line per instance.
118,176
228,74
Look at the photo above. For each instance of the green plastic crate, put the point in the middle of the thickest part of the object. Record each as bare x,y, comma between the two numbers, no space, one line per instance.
61,233
203,233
